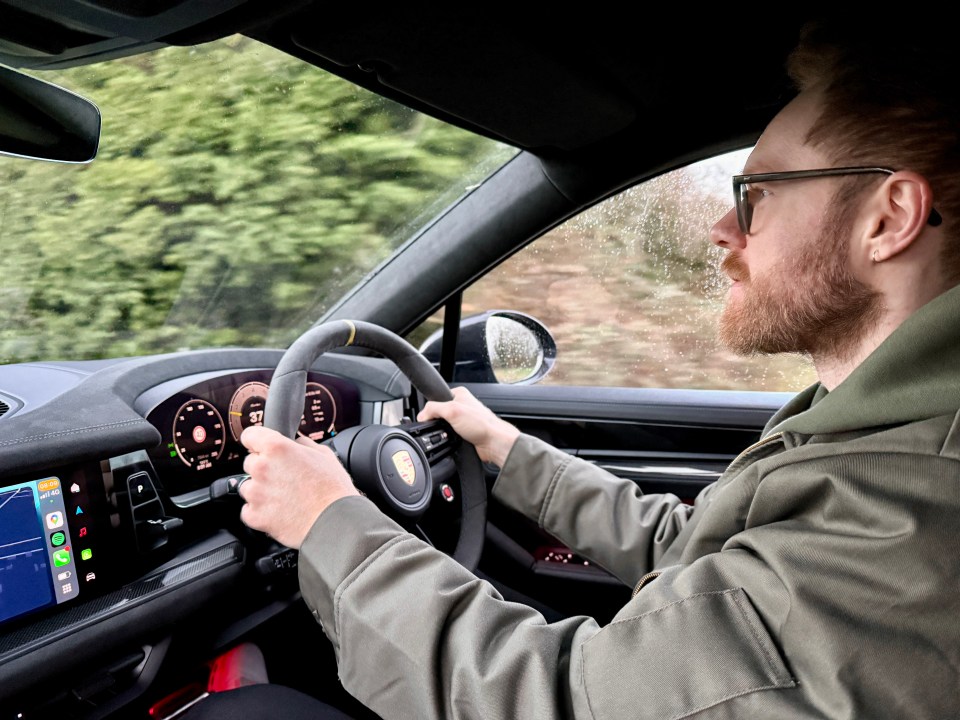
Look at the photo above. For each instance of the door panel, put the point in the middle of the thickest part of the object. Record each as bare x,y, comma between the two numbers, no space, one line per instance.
666,441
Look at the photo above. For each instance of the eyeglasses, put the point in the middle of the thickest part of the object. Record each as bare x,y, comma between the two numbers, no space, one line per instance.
741,191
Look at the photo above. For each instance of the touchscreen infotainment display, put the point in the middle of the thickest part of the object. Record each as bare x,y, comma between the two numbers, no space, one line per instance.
48,549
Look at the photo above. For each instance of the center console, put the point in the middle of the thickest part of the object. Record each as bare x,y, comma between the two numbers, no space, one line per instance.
87,573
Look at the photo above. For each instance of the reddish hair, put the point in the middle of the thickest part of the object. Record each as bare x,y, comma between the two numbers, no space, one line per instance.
889,97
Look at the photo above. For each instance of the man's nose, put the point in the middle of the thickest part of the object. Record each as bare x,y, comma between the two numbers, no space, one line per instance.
726,232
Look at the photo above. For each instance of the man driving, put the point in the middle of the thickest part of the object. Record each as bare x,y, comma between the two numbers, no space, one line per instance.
816,577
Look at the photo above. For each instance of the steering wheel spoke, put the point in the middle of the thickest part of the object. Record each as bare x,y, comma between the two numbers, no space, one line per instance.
401,469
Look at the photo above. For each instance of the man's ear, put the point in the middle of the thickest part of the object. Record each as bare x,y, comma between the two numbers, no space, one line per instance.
899,214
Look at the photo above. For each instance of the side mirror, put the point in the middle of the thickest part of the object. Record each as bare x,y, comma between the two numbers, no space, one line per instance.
498,346
43,121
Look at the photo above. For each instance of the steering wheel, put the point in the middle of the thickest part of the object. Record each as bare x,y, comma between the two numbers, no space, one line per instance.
395,467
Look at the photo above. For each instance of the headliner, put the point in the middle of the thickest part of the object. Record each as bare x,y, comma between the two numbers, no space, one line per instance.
569,89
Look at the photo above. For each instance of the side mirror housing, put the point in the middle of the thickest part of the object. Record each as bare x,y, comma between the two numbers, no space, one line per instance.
498,346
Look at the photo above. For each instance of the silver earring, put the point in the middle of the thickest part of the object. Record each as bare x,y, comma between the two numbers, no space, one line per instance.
875,258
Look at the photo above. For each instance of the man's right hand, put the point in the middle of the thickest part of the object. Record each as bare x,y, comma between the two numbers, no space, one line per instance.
476,423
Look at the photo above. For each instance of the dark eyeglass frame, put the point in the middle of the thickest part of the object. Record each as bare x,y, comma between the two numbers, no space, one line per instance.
741,196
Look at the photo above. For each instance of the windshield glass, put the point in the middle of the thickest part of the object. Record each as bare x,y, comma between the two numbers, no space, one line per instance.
237,194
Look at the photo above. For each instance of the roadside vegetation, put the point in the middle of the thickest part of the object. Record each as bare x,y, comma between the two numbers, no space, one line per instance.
239,192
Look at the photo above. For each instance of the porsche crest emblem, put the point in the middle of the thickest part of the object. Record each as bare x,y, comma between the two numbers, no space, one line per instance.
404,464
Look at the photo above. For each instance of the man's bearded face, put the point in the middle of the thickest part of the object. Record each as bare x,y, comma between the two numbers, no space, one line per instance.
810,302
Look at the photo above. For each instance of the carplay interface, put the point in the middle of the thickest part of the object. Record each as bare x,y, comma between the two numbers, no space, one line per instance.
47,551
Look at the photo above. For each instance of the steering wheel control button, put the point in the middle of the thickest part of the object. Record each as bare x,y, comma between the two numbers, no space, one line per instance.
435,438
434,441
446,492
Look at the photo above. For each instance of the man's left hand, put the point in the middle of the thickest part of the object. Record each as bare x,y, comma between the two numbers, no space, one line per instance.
291,483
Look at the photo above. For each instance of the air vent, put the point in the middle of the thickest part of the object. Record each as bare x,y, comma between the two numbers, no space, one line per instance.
8,405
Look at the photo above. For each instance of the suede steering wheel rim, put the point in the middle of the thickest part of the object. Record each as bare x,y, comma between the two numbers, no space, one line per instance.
284,409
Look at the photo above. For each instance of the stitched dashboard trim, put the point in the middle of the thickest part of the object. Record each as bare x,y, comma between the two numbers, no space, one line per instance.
62,433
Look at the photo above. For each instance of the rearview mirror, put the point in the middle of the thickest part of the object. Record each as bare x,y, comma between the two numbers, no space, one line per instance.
42,121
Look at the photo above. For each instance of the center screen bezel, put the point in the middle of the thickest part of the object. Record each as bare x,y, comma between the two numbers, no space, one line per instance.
59,537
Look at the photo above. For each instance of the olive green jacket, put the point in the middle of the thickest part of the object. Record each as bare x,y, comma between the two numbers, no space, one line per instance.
819,577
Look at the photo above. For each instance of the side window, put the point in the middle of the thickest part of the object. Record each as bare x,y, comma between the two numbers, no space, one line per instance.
630,291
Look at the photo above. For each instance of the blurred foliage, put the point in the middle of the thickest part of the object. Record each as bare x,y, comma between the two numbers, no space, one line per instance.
238,192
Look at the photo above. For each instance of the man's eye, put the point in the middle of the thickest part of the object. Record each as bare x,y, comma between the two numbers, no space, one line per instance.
756,193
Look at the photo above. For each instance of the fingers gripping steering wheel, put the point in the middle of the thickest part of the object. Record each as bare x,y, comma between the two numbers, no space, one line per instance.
394,466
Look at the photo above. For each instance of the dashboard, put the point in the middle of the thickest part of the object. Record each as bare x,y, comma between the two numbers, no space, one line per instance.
109,534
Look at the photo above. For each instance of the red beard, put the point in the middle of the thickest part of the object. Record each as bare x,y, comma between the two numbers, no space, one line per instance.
809,303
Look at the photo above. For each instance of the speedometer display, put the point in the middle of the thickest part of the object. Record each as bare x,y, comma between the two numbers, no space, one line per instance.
198,434
201,422
246,407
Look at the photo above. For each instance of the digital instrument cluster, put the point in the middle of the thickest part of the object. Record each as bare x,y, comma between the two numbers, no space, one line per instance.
201,425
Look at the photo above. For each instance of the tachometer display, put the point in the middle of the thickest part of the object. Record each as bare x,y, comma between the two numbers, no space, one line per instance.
198,434
201,422
319,413
246,407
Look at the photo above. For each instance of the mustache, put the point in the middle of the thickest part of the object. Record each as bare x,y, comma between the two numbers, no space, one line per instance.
734,267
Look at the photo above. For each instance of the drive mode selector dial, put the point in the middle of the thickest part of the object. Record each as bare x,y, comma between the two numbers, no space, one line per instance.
198,434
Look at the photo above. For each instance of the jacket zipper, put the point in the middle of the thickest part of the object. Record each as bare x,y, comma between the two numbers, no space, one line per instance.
644,580
651,576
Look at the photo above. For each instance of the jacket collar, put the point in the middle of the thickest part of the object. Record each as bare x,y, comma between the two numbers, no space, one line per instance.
913,375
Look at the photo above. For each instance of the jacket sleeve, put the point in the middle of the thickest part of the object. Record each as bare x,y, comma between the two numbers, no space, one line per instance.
418,636
603,517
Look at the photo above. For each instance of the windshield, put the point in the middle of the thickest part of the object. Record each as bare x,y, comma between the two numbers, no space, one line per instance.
237,194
